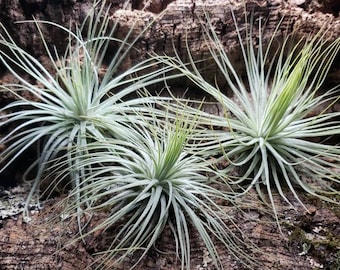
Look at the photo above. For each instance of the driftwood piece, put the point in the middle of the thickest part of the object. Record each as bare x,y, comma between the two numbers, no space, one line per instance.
175,23
180,27
309,240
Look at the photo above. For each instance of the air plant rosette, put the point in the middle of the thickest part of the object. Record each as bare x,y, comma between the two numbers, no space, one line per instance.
268,130
152,181
79,102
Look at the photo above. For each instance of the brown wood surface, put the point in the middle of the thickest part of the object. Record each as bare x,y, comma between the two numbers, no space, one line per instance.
309,240
176,23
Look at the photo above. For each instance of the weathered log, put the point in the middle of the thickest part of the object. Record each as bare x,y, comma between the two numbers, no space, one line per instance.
309,240
179,27
174,26
175,23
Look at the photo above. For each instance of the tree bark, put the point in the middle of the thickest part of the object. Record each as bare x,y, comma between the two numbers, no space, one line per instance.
309,240
176,23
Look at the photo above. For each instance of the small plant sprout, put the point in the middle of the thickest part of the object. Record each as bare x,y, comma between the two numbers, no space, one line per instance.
151,181
272,131
77,103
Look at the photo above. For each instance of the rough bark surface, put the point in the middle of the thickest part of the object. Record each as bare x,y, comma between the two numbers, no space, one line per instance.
176,23
308,241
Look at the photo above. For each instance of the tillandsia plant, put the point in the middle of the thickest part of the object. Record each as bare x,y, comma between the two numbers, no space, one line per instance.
77,103
151,181
272,130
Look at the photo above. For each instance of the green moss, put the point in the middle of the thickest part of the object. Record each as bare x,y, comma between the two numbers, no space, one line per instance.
298,241
336,263
324,250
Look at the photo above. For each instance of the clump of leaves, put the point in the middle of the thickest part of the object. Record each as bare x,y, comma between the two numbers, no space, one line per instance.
152,180
79,102
269,130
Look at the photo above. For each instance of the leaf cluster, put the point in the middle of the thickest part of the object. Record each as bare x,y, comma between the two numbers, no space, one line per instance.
146,160
77,104
271,130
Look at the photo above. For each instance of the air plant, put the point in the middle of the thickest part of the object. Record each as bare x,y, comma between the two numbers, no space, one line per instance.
150,181
78,102
272,130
